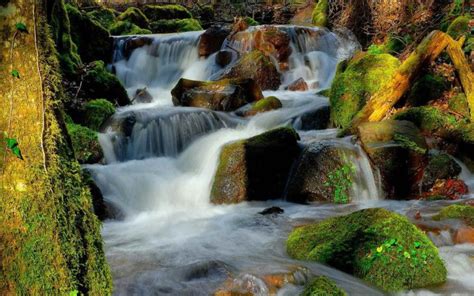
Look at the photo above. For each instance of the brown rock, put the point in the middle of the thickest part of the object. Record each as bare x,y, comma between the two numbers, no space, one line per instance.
223,58
211,40
464,235
298,85
133,43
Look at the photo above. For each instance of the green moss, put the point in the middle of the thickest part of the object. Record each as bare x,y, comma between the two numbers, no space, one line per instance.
99,83
459,104
376,245
322,286
127,28
353,85
264,105
82,28
428,87
320,12
250,21
175,25
459,27
166,12
97,112
135,16
85,143
106,17
462,212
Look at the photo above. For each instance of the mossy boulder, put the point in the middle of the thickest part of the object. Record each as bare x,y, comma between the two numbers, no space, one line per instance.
459,211
135,16
85,143
221,95
175,25
376,245
92,40
257,66
459,27
324,172
106,17
322,286
127,28
256,168
166,12
428,87
459,105
320,12
99,83
206,14
263,105
397,149
355,82
441,166
96,113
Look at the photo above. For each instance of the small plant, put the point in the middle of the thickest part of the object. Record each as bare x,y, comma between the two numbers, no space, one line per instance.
391,250
340,180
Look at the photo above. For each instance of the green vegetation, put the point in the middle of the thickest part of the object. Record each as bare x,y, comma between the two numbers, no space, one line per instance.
459,27
135,16
97,112
264,105
85,143
427,88
322,286
462,212
320,12
166,12
376,245
356,81
127,28
340,181
175,25
106,17
459,104
250,21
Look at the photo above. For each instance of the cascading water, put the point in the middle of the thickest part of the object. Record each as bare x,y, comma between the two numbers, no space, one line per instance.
161,161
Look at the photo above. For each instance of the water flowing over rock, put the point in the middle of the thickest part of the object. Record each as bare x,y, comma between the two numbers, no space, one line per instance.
212,39
256,168
222,95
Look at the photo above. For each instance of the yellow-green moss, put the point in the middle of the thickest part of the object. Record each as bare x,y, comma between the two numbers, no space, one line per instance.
175,25
376,245
135,16
355,82
462,212
166,12
459,27
264,105
127,28
85,143
320,12
97,112
104,16
250,21
322,286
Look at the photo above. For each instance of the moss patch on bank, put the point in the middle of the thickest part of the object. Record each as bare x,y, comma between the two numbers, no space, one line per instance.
461,212
322,286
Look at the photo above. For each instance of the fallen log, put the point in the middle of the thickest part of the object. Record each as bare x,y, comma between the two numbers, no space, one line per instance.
463,68
380,103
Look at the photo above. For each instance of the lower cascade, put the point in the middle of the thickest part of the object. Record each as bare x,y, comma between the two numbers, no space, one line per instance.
161,161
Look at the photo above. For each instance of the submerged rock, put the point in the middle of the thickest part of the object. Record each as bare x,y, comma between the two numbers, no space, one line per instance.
315,120
212,39
355,82
256,168
257,66
272,211
322,169
298,85
263,105
142,96
221,95
135,42
376,245
398,150
224,58
322,286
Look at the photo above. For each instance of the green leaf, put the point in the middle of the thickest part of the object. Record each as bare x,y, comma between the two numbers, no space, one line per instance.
406,254
74,293
12,144
21,27
15,73
417,244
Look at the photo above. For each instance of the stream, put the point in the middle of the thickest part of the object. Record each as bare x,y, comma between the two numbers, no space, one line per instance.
169,238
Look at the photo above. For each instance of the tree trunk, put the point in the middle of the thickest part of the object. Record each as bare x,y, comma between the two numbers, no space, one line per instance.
382,101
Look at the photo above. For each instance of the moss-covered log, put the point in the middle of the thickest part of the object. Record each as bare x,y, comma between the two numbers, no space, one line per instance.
383,100
50,240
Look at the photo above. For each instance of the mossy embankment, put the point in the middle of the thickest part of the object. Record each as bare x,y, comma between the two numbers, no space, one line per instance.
49,237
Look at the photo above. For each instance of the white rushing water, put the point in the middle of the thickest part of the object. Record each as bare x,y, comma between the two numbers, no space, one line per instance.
161,161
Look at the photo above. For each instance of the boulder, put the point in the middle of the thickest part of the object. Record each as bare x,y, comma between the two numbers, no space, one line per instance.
224,58
135,42
257,66
97,112
99,83
440,166
428,87
458,211
106,17
398,150
322,286
135,16
212,39
175,25
263,105
355,82
380,247
315,120
256,168
142,96
166,12
127,28
446,189
272,41
324,172
221,95
90,49
298,85
85,143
